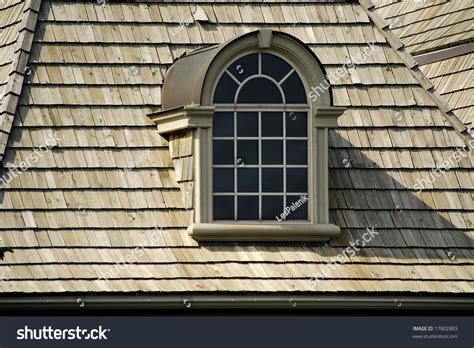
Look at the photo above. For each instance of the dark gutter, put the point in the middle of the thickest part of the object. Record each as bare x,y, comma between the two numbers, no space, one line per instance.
241,302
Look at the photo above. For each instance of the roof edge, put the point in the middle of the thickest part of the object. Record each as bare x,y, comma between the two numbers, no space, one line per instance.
17,75
413,66
82,302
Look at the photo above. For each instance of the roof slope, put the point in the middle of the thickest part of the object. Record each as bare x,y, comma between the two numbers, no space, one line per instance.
17,24
453,78
97,198
440,34
429,25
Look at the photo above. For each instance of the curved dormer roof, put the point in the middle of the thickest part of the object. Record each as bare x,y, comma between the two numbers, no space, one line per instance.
194,75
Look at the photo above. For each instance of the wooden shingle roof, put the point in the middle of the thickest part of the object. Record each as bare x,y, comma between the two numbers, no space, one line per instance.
426,26
431,30
112,185
17,25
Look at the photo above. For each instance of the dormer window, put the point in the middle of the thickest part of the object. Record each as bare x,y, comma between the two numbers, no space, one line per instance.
259,143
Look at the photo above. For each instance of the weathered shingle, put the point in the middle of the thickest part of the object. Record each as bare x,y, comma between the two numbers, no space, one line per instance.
17,24
112,182
429,29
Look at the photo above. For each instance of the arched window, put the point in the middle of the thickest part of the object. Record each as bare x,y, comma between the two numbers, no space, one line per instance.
250,118
260,141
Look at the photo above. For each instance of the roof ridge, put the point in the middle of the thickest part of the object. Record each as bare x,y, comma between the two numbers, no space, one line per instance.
19,69
412,65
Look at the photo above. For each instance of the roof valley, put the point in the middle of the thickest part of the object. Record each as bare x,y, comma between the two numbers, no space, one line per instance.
412,65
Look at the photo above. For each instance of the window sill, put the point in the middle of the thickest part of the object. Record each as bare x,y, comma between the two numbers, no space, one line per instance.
261,232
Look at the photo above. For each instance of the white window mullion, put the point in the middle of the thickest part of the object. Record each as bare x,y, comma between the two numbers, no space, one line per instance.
286,76
259,63
260,166
235,165
284,161
233,77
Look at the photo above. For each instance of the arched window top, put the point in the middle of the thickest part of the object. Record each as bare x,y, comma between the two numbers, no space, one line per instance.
261,78
259,90
264,53
259,138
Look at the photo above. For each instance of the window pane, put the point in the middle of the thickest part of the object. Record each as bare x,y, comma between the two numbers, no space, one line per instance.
223,124
247,180
223,151
272,207
272,124
294,89
272,152
300,204
244,67
247,124
296,152
223,207
297,180
223,179
225,90
274,66
259,90
272,180
296,124
247,152
247,208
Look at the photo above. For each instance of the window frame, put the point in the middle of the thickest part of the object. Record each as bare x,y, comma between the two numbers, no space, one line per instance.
284,108
193,109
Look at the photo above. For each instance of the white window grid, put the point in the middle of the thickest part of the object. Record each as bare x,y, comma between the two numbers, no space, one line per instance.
237,164
283,108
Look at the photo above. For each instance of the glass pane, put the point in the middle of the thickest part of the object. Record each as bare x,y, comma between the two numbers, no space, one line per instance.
296,124
247,180
225,90
296,152
272,124
272,207
274,66
272,152
272,180
294,89
247,124
223,151
223,124
298,206
247,208
223,179
247,152
244,67
223,207
297,180
259,90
